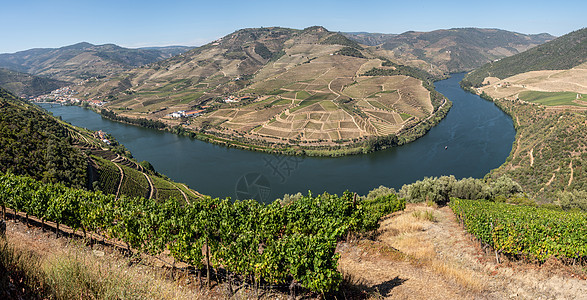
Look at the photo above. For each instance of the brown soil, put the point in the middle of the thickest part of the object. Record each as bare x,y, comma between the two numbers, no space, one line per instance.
414,258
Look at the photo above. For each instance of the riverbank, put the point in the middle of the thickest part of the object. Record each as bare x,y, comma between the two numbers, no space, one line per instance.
543,162
376,143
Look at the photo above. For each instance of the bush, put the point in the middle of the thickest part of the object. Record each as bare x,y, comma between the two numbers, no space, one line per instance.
440,189
573,200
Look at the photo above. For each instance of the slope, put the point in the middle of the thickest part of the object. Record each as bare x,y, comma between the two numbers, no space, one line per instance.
563,53
545,98
274,87
452,50
83,60
38,145
28,85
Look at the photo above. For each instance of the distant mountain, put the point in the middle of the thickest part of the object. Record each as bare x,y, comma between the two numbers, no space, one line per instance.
563,53
28,85
169,51
368,38
452,50
84,60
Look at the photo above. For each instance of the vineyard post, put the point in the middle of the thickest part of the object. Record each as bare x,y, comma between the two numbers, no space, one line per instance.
292,290
230,290
207,261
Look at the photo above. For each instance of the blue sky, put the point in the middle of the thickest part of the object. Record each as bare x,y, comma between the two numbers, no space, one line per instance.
54,23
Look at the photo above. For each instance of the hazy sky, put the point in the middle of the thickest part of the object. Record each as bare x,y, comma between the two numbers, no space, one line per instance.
26,24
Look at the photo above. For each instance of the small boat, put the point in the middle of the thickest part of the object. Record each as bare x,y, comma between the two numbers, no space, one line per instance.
445,147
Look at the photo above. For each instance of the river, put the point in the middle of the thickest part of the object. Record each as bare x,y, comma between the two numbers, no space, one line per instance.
474,138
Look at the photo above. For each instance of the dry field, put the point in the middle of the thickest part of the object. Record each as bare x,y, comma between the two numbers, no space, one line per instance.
548,81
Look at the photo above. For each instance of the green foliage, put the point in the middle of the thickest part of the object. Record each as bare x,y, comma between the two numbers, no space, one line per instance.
339,39
379,192
139,121
109,176
380,142
262,50
562,53
379,207
147,165
573,200
287,198
550,98
440,189
524,231
348,51
36,144
275,243
557,140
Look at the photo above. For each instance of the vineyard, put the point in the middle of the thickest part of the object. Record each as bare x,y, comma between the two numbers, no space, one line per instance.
134,183
262,244
109,175
165,189
528,232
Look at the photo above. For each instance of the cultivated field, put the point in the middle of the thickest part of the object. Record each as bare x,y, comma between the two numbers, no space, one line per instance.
322,101
551,88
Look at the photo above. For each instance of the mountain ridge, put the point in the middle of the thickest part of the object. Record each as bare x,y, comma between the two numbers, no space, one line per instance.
453,50
565,52
83,60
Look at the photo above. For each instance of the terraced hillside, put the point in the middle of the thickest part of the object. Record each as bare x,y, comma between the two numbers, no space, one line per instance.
274,87
36,144
546,99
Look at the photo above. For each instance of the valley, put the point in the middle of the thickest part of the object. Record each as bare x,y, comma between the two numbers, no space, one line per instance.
437,186
279,89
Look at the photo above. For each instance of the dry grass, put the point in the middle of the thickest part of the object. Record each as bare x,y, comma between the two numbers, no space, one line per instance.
407,233
62,270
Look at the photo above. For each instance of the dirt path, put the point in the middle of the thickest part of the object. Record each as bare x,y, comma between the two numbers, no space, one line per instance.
518,139
184,195
196,194
571,178
151,187
121,179
415,258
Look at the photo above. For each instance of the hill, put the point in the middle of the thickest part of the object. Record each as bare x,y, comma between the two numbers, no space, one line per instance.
563,53
83,60
38,145
28,85
271,88
452,50
543,89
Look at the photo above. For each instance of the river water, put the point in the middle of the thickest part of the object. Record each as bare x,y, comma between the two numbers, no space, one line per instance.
475,137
